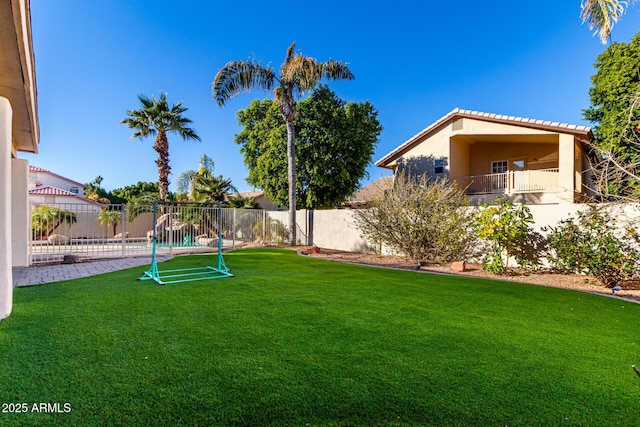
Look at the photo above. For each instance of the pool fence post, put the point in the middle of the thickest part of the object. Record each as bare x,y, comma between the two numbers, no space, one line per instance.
170,238
264,225
123,232
233,244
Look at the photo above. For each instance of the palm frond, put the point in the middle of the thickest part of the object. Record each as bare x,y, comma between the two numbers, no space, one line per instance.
185,181
602,15
241,76
336,70
288,58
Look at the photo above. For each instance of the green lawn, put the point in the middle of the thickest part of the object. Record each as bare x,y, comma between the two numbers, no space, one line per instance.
299,341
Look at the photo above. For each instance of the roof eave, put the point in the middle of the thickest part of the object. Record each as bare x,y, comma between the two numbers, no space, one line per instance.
584,131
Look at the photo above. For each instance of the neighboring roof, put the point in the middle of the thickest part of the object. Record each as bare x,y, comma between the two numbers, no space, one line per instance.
487,117
51,191
41,170
370,192
250,194
55,191
18,73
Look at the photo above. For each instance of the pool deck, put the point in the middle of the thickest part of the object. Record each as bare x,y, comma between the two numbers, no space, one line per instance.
40,274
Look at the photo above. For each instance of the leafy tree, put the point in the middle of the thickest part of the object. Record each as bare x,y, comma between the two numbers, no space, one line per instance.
421,219
298,74
334,144
45,219
133,193
156,118
506,227
602,15
95,192
616,84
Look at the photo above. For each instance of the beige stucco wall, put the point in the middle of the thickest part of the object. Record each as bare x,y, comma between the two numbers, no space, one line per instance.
20,208
537,156
481,127
420,158
46,179
566,165
336,229
6,277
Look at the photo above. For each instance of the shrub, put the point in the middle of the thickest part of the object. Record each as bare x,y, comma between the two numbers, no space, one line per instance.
506,229
422,219
272,230
589,245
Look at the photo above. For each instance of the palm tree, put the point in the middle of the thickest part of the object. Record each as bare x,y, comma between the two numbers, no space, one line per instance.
187,179
45,220
602,15
110,217
156,118
240,202
202,186
210,189
298,74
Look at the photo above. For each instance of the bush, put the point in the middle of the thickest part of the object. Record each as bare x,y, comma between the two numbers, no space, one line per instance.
506,229
422,219
588,245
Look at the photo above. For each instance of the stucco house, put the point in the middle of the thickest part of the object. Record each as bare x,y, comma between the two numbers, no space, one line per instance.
19,131
369,193
262,201
490,155
46,187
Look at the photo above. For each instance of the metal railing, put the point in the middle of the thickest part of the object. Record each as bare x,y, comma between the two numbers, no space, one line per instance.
511,182
115,231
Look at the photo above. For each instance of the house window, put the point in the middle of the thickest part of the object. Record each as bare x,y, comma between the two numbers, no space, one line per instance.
500,166
438,167
74,190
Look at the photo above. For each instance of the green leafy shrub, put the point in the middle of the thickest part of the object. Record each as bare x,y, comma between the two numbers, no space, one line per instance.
506,229
422,219
589,245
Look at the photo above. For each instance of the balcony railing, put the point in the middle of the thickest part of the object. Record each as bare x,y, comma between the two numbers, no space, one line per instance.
545,180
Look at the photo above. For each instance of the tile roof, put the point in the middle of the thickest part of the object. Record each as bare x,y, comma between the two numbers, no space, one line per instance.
371,191
51,191
490,117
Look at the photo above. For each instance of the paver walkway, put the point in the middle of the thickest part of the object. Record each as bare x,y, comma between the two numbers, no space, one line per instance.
39,274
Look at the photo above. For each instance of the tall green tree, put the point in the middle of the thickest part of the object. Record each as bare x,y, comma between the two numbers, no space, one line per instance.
602,15
156,118
133,193
298,74
616,85
334,144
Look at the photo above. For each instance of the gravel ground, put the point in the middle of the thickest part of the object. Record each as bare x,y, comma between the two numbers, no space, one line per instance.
630,290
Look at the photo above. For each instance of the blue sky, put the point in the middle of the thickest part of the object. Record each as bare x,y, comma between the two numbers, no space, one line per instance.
414,61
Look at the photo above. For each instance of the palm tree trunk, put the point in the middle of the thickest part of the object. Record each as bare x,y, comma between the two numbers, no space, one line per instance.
162,148
291,162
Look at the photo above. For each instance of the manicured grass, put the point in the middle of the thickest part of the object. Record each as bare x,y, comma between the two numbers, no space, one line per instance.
300,341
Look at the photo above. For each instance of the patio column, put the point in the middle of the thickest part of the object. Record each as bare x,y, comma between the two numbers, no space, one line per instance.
6,276
566,167
20,227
